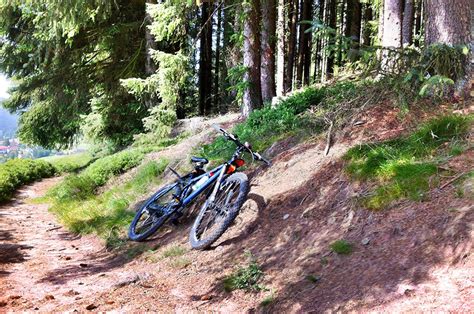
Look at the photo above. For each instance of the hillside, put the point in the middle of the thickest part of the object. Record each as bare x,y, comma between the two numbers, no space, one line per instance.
412,253
8,122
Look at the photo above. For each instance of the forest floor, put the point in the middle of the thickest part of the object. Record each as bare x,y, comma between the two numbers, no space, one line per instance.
411,257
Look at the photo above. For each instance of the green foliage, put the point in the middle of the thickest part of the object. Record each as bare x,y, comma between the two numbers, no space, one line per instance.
71,163
103,169
107,214
404,168
83,185
66,58
341,247
269,124
246,278
172,75
17,172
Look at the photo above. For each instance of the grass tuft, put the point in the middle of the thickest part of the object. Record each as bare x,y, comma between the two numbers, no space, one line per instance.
174,251
342,247
407,167
245,278
106,214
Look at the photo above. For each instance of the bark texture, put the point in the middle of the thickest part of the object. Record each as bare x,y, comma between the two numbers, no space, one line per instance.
252,98
392,24
269,11
408,19
293,9
449,22
205,62
281,31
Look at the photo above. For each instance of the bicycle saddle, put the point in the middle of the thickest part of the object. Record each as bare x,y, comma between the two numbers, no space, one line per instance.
203,161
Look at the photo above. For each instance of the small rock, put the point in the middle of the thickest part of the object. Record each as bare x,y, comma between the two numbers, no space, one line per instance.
409,292
71,293
14,297
91,307
78,298
109,302
286,216
206,297
365,241
49,297
83,265
68,258
36,309
3,303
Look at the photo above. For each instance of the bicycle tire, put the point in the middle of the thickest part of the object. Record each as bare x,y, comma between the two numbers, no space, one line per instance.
199,243
158,217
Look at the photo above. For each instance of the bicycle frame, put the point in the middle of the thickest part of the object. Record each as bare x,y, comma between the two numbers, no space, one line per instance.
217,174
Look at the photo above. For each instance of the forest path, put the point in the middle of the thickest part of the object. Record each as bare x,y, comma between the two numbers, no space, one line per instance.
42,265
414,256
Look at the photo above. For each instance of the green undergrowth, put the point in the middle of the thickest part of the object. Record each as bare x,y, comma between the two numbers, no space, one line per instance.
17,172
246,278
70,163
83,185
106,214
291,117
341,247
406,168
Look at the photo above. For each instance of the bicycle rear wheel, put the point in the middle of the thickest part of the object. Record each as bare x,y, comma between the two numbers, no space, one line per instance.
153,214
214,218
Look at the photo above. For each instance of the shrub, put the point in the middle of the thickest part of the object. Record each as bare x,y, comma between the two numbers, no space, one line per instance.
71,163
83,185
103,169
17,172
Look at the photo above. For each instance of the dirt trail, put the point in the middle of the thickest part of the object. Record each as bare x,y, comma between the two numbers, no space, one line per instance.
414,256
42,265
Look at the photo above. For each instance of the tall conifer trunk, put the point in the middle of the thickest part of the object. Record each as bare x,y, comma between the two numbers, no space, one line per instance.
205,61
269,11
252,98
449,22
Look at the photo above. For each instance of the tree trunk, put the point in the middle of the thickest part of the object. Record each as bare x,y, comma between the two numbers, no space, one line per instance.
368,17
293,19
449,22
332,19
408,18
354,18
418,17
268,49
253,93
281,29
304,45
317,54
217,95
392,24
392,34
205,62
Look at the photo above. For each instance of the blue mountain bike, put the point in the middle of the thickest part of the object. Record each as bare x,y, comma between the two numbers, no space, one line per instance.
224,188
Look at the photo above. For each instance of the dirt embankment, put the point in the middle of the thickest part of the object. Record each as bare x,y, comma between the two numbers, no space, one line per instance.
414,256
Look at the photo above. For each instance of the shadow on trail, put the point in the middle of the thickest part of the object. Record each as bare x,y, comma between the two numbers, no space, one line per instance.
391,248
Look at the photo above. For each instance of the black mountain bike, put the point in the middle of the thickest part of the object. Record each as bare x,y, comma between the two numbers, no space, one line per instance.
225,191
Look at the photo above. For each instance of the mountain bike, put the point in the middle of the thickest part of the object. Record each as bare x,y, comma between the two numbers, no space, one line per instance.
225,190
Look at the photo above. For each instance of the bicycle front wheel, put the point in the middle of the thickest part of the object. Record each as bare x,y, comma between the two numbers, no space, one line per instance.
153,214
215,217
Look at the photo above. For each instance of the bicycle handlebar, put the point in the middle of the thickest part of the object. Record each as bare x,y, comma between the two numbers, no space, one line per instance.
235,139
